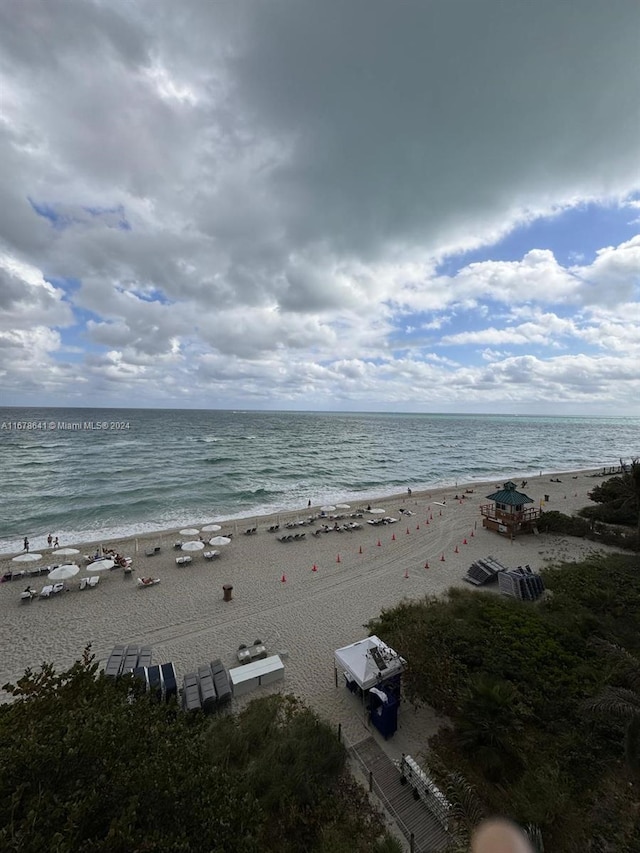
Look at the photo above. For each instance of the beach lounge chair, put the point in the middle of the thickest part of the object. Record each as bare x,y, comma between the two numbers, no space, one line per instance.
208,693
144,658
94,580
221,681
114,661
46,591
209,555
28,595
169,681
130,659
83,583
183,561
191,693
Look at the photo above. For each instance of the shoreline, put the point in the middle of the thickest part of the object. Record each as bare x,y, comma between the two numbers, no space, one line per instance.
235,521
303,599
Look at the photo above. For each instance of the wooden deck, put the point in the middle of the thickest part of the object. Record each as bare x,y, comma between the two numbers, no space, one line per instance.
412,816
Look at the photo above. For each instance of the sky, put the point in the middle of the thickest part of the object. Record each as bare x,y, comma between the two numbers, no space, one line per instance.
357,205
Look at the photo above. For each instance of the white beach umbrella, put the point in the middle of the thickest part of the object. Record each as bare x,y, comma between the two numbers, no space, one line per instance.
67,551
377,511
27,558
195,545
189,531
219,540
101,565
343,506
328,508
63,573
211,528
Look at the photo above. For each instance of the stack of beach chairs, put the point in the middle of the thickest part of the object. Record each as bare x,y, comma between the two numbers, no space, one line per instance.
159,680
484,571
206,689
521,583
124,659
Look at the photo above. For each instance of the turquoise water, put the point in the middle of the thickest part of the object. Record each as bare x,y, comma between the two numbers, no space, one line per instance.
156,469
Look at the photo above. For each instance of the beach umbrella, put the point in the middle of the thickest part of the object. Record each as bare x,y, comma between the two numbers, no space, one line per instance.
219,540
211,528
328,508
101,565
67,551
343,506
189,531
27,558
195,545
63,573
377,511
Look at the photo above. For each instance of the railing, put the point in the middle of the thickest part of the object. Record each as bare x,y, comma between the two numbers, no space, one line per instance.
373,786
490,511
434,799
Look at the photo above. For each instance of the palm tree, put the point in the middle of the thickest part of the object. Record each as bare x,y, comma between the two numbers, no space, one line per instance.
490,719
622,702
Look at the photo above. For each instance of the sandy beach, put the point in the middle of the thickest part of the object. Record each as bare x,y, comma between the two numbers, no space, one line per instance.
302,614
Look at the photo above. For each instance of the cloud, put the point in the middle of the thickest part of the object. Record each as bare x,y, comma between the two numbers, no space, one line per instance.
254,199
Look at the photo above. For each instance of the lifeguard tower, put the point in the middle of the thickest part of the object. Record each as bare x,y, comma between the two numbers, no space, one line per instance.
509,515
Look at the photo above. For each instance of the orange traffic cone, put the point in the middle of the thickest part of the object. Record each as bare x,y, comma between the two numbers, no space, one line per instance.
440,513
431,516
315,568
406,573
464,542
379,543
442,560
360,551
408,531
426,565
417,527
455,550
472,533
393,538
283,578
338,560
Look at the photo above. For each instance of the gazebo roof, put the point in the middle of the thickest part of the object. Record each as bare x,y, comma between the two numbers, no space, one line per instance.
508,495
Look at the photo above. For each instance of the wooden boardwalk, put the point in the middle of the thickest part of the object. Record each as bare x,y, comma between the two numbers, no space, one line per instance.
412,816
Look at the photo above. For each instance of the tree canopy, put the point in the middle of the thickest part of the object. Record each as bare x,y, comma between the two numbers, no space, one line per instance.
92,764
519,683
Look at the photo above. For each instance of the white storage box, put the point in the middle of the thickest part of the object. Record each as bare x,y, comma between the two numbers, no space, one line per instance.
251,675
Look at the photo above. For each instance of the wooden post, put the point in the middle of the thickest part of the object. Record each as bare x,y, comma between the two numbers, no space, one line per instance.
340,731
370,781
335,673
412,843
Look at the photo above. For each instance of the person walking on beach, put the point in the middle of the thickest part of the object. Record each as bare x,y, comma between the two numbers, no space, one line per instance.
55,542
409,492
49,540
25,545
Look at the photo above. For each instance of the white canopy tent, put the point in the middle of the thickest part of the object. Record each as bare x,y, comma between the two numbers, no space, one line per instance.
368,662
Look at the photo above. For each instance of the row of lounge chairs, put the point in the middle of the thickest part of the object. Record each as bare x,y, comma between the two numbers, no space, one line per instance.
206,689
159,680
250,531
291,537
349,527
124,659
375,522
185,559
52,589
26,573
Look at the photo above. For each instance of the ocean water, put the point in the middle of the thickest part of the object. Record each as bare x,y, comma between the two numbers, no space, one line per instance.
85,474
